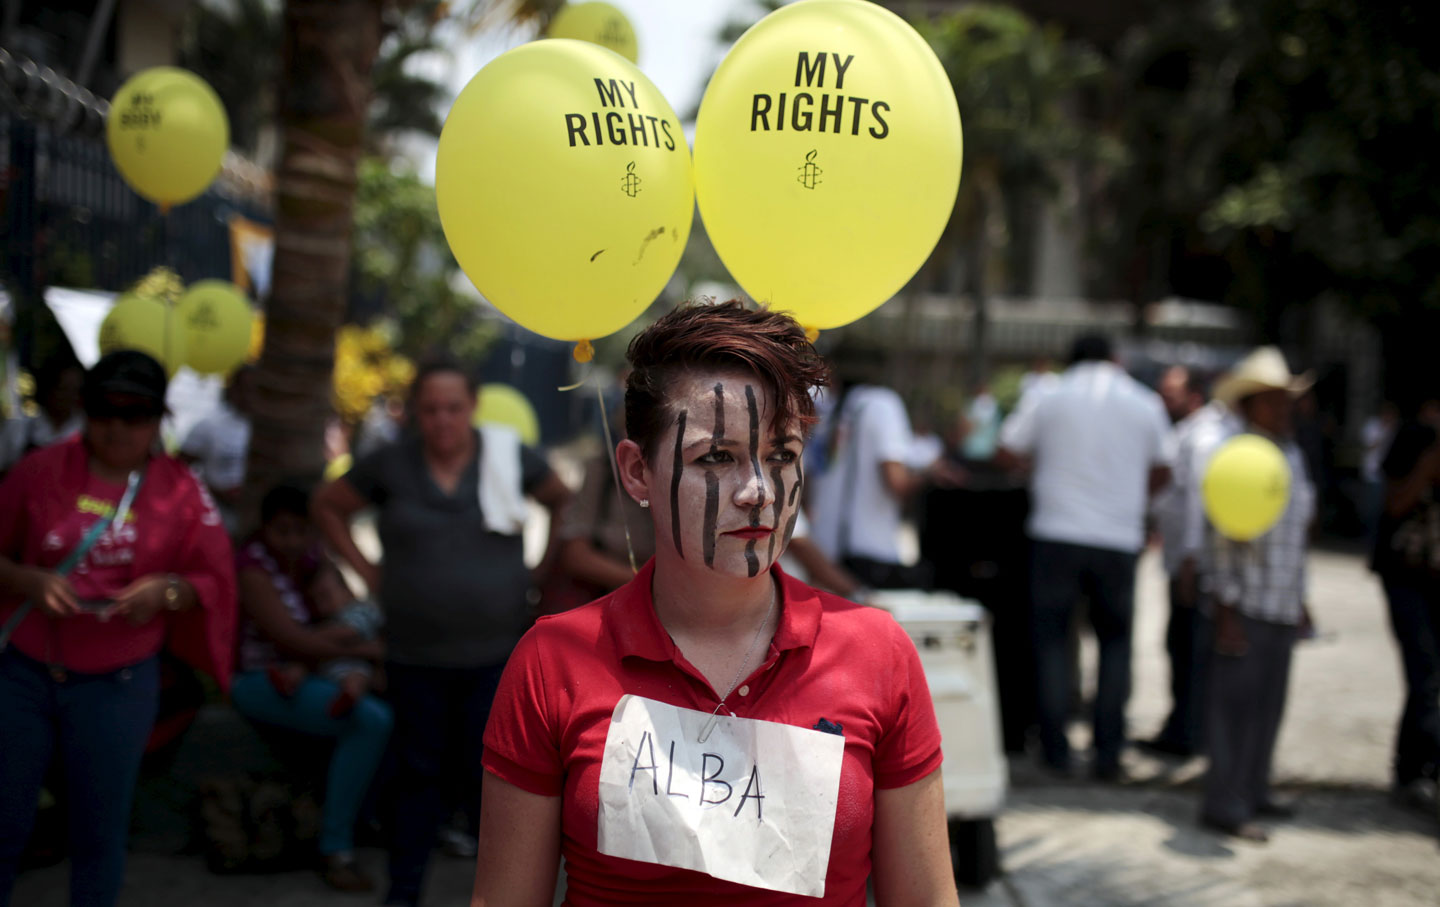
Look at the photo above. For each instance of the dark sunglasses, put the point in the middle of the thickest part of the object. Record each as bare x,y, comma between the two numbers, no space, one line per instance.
134,414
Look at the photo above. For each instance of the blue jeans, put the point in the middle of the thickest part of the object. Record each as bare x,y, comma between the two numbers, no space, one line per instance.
360,739
440,716
97,724
1415,618
1060,574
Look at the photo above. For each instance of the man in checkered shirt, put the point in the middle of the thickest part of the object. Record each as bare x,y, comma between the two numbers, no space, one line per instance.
1258,593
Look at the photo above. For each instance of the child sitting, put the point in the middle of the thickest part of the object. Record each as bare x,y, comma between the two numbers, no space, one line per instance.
344,619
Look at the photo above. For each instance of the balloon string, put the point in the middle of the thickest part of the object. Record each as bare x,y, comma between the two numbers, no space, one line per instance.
615,472
614,464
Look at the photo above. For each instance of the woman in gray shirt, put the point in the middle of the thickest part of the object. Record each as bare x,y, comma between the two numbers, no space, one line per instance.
453,586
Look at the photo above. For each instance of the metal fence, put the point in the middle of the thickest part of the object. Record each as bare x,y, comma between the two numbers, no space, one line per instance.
70,219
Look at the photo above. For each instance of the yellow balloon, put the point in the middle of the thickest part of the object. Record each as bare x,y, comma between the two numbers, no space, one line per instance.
564,188
827,158
1246,487
147,325
501,404
598,23
167,134
217,321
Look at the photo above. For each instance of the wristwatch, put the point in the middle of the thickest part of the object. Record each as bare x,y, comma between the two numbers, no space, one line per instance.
172,592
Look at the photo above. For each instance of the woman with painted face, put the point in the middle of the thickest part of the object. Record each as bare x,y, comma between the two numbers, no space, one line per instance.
109,550
715,732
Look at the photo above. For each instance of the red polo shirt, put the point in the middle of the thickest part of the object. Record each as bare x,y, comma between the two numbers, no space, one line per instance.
830,659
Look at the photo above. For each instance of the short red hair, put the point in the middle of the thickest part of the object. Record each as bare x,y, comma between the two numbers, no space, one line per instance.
770,345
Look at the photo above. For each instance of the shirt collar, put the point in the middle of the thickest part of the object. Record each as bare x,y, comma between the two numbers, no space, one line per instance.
636,630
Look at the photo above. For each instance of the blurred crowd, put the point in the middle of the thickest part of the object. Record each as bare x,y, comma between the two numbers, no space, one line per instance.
1040,513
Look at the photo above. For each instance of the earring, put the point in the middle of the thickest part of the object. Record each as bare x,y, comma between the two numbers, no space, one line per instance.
645,503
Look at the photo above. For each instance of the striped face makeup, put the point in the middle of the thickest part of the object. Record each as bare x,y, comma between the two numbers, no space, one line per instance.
733,482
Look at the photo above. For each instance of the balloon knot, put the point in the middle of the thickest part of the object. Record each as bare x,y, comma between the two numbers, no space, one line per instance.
164,209
584,352
812,334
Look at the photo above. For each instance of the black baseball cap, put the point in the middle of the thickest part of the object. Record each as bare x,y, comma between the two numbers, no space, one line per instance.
130,373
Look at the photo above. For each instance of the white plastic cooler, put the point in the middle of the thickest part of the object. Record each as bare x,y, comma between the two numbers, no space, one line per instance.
952,635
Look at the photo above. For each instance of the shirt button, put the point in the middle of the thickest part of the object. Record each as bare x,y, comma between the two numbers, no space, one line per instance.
744,691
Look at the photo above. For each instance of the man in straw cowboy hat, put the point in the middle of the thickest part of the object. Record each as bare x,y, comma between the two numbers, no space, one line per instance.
1257,591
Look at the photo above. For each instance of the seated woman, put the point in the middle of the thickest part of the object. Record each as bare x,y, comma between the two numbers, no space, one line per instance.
274,570
715,732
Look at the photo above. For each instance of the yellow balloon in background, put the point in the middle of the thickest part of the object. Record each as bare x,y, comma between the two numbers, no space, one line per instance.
564,188
217,320
501,404
144,324
827,158
1246,487
337,467
598,23
167,133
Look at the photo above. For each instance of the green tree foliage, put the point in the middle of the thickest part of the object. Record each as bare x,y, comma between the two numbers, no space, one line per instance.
1018,86
401,253
235,46
1293,140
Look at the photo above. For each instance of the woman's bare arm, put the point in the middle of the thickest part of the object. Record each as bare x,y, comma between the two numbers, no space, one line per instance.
912,847
519,847
332,508
262,604
580,559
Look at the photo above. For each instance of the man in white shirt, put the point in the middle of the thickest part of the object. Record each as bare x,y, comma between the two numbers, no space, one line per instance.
57,395
1179,515
1098,442
220,443
855,504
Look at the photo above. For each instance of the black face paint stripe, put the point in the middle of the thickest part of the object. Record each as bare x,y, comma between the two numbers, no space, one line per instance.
712,513
790,526
751,561
719,415
794,494
710,529
776,476
675,484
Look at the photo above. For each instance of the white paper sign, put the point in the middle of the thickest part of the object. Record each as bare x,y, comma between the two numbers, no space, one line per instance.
754,803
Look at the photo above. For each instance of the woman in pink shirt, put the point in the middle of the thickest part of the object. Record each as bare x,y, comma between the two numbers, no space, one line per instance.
109,550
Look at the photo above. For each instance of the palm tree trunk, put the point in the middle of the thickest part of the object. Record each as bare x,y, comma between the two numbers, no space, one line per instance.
325,91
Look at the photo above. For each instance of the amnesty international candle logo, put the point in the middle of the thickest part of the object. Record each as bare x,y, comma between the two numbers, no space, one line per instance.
630,183
810,172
